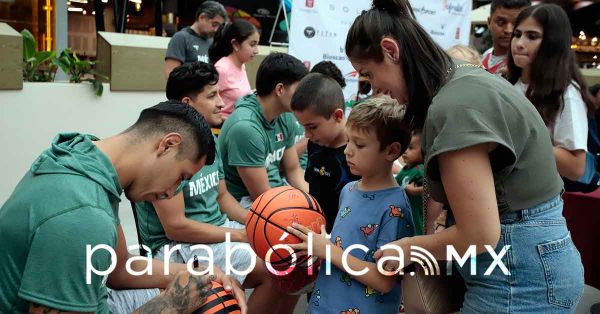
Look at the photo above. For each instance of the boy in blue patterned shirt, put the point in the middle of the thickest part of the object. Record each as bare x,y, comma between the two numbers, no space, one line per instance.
373,211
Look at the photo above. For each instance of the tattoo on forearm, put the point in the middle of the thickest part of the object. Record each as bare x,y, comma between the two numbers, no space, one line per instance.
180,295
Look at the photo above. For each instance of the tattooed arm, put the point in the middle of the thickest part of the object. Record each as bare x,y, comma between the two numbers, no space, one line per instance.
184,295
120,278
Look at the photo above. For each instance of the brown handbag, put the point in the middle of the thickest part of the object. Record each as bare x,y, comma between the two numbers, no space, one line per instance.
432,294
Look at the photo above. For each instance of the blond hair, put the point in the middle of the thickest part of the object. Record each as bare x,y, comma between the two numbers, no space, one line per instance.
384,116
465,53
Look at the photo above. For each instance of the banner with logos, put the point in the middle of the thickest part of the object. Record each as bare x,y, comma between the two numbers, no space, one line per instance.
319,27
318,32
447,21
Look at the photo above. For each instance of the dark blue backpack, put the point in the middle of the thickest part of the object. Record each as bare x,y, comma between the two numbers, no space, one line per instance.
590,181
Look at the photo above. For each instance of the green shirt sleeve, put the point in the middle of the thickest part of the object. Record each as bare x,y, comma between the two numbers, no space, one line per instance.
246,146
55,272
462,121
291,127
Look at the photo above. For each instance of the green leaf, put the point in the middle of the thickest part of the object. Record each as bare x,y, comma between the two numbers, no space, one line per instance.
28,44
43,56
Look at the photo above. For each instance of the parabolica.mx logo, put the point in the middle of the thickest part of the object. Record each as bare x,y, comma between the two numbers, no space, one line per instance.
205,254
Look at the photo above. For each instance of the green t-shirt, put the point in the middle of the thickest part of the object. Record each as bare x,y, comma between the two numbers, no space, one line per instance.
200,196
477,107
68,200
413,174
300,136
247,139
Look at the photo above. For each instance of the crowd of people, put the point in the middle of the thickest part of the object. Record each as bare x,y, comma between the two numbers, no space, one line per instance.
443,148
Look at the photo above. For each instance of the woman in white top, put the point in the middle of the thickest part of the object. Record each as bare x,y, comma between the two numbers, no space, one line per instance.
542,65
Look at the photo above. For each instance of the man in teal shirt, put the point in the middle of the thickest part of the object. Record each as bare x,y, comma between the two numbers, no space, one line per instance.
206,212
66,205
258,138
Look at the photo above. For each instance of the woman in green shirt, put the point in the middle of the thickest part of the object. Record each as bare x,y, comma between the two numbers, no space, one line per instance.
488,158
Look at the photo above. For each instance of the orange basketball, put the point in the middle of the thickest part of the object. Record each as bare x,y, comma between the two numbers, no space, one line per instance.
219,301
269,216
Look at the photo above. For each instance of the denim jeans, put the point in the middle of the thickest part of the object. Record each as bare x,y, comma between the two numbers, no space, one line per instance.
545,269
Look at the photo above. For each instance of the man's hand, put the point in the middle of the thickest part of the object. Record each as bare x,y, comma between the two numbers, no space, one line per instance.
230,284
185,294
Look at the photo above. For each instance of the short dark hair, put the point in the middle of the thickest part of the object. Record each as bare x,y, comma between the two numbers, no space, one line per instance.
189,79
320,93
175,116
221,47
594,89
509,4
330,69
211,9
278,68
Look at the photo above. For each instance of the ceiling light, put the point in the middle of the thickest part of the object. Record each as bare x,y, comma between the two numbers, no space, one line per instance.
74,9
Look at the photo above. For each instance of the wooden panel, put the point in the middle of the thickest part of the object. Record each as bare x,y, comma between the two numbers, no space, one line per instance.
137,69
103,57
591,76
132,62
11,58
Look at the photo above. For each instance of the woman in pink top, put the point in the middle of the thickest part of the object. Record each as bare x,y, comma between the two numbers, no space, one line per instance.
235,44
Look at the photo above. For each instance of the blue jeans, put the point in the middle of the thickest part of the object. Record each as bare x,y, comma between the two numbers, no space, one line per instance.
545,269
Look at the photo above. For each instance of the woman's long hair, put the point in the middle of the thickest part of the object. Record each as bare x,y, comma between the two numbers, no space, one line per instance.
239,30
425,64
555,66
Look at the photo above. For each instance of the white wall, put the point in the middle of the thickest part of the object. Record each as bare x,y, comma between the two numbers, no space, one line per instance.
30,118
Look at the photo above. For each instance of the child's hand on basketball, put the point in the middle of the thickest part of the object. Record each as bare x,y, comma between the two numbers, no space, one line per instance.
319,240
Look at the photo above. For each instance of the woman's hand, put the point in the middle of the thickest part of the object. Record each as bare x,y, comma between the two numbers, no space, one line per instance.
395,255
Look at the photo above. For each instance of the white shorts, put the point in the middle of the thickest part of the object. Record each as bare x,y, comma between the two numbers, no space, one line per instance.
240,259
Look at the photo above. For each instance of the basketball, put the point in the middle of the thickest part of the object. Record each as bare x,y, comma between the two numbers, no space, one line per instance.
219,301
269,216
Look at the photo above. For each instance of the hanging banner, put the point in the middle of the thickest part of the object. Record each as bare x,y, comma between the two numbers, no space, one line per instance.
318,32
447,21
319,27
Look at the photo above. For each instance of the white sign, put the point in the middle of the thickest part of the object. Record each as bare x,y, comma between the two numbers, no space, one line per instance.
319,28
318,32
447,21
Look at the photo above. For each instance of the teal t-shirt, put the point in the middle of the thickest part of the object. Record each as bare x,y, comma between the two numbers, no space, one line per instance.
476,107
300,136
408,175
200,196
68,200
247,139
